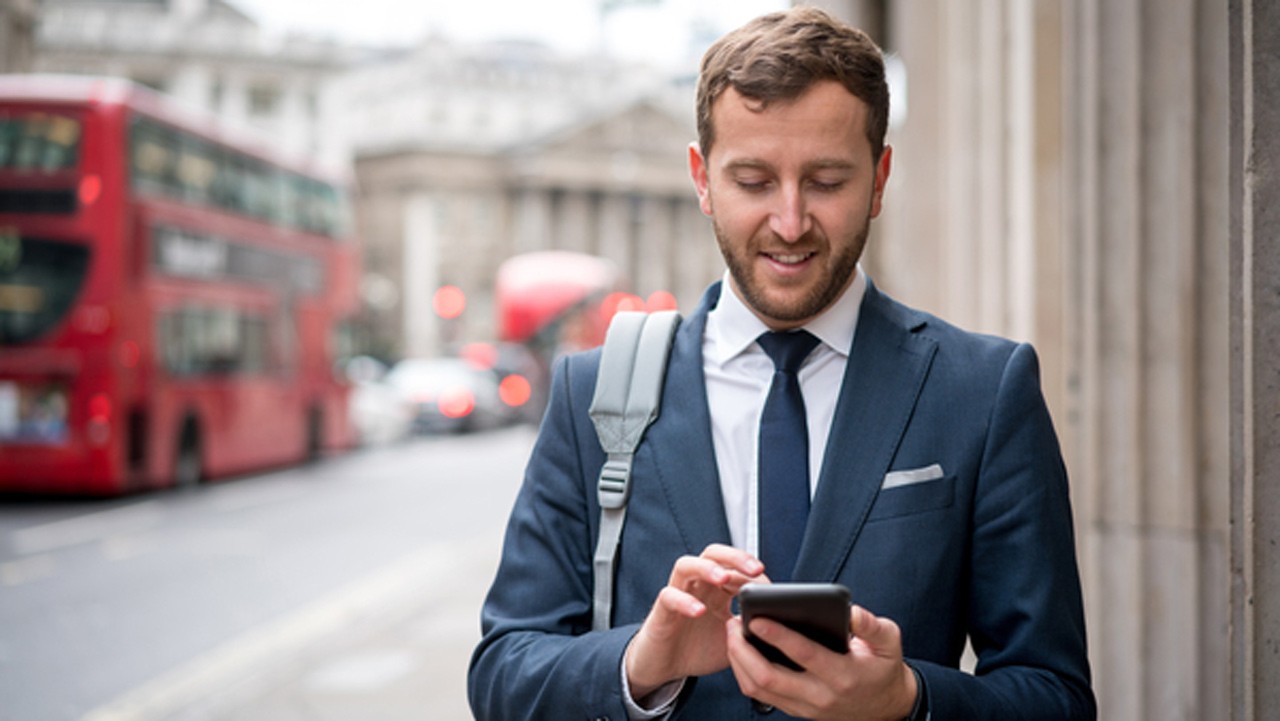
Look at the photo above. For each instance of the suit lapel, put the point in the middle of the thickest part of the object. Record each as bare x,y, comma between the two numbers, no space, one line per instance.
685,463
887,367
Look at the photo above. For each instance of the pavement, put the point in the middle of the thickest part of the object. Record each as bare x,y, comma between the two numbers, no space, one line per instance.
413,667
392,646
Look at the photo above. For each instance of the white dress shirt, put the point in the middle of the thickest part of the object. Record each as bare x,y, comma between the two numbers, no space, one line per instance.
738,374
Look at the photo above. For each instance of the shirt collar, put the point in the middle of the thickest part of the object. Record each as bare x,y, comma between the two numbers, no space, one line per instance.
732,327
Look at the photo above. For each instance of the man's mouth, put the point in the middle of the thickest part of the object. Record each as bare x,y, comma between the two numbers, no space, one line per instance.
789,258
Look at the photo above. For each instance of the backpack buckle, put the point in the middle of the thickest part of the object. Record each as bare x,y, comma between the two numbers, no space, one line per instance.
614,488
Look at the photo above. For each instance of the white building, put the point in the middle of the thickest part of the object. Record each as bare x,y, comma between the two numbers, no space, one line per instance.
207,54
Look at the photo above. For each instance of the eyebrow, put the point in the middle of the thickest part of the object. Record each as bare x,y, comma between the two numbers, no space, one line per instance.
822,164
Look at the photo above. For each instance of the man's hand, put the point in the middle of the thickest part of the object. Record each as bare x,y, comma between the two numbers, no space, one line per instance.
870,683
684,634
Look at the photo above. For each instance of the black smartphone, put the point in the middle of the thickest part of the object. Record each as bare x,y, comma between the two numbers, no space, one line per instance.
818,610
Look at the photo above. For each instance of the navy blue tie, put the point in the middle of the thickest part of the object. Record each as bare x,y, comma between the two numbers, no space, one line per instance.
784,455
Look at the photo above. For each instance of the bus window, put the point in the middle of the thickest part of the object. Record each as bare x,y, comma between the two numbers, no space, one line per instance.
202,341
154,159
39,280
39,142
197,171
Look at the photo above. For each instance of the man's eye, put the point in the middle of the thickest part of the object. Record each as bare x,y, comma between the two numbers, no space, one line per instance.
752,186
828,187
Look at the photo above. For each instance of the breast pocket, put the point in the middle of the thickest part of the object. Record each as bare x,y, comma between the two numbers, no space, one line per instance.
914,498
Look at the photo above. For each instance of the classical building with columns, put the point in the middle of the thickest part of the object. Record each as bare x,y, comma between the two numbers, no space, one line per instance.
208,55
1100,178
467,156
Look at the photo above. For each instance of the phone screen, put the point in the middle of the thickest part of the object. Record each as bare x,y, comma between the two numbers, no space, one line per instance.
818,610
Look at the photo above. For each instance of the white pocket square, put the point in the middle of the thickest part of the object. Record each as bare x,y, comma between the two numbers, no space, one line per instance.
913,476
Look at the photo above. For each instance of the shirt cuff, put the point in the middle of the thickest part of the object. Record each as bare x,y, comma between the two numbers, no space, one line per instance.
661,702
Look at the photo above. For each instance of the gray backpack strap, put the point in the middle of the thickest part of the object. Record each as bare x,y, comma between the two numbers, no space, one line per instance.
633,365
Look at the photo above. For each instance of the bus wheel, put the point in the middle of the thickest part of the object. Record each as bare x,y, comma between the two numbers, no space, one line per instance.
186,464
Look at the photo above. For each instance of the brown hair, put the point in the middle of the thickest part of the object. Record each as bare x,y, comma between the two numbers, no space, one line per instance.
777,57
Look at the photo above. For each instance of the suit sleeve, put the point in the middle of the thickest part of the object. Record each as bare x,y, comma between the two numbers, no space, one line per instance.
537,658
1026,618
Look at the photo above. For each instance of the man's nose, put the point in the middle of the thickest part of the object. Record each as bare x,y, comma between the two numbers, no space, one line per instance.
790,220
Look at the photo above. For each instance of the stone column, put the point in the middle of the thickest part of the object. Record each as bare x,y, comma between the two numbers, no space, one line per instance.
293,124
1062,178
533,220
421,331
698,262
616,231
653,255
574,227
1255,350
972,228
192,84
1146,244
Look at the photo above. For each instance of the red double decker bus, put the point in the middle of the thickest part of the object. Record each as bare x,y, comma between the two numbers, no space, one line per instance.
171,295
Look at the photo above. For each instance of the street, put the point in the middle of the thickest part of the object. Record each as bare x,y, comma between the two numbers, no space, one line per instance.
342,590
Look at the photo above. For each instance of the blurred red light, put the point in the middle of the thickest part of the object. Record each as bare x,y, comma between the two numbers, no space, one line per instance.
456,403
90,189
514,390
481,355
619,301
449,301
99,407
660,300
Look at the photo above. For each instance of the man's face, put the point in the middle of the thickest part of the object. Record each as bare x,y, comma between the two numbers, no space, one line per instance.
791,191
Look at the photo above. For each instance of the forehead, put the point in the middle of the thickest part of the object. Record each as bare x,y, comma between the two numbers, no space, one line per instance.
824,122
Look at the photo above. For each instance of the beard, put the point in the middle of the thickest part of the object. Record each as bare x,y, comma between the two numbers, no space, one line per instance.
815,299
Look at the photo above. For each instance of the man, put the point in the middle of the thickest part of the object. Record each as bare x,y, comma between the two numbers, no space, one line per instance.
938,494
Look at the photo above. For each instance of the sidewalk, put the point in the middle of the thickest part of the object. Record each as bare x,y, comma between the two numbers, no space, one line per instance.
392,646
413,669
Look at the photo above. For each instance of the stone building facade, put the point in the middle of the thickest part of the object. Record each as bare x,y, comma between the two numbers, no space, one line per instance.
467,156
1099,178
17,35
208,55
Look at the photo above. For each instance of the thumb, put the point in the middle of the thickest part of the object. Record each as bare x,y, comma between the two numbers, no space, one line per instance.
878,633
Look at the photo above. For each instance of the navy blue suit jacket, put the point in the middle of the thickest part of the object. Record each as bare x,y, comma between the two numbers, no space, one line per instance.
986,552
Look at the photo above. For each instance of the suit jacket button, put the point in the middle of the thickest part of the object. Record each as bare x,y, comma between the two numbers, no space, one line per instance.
761,708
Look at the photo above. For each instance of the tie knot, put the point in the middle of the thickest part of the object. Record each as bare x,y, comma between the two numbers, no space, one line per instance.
788,350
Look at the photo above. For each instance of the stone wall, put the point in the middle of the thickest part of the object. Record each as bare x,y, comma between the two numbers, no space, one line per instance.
1099,177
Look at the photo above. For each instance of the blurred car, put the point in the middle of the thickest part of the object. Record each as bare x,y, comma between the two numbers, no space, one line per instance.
379,414
522,379
450,395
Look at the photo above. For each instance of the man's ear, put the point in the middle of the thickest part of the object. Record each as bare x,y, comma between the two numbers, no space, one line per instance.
698,170
882,177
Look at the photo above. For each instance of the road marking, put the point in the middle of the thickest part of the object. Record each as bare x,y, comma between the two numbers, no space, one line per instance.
363,672
87,528
248,663
26,570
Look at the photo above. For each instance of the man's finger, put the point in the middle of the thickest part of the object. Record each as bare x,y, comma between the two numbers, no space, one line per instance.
680,602
733,558
726,571
880,634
